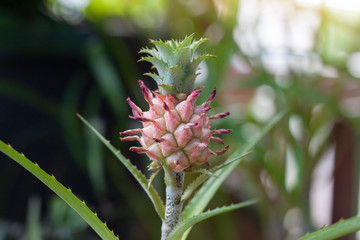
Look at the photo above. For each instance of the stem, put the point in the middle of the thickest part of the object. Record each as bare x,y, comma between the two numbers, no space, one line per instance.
174,204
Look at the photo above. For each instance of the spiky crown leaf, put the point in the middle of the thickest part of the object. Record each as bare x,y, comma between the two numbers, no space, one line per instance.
175,64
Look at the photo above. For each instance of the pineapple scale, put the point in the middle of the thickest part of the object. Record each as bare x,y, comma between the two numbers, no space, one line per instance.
175,132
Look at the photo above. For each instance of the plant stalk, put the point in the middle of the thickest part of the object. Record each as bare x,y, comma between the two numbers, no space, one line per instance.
174,205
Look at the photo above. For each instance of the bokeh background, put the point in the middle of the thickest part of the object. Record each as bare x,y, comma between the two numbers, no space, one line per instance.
62,57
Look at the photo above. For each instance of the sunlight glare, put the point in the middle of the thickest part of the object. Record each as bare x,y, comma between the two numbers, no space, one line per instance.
344,5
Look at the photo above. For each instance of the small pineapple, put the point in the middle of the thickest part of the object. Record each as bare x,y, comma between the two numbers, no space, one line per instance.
176,132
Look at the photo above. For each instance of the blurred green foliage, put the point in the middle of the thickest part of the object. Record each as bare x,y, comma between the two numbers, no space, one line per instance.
61,57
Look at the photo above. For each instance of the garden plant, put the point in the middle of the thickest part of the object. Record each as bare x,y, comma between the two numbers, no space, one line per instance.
177,136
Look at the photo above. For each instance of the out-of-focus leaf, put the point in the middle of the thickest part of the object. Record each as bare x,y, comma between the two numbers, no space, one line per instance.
336,230
33,221
69,123
94,148
106,77
27,96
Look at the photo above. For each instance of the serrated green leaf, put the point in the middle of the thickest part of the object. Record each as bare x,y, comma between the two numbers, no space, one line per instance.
150,191
156,77
172,44
180,229
160,65
152,52
336,230
204,176
195,63
164,49
194,185
210,187
80,207
190,80
174,63
166,88
187,40
153,175
228,162
181,56
196,44
176,72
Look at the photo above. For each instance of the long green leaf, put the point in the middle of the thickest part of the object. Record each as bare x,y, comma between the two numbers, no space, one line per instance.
106,76
66,194
204,176
151,192
209,188
336,230
33,219
28,96
194,185
180,229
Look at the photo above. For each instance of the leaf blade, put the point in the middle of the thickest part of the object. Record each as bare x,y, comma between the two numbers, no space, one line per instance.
142,180
80,207
209,188
194,185
182,227
336,230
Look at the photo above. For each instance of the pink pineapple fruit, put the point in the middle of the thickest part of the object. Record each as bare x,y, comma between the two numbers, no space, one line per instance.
176,132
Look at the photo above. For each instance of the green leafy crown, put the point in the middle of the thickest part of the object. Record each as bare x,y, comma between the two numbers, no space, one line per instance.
175,64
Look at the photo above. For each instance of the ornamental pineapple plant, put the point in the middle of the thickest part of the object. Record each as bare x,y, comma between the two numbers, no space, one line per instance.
175,136
175,131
